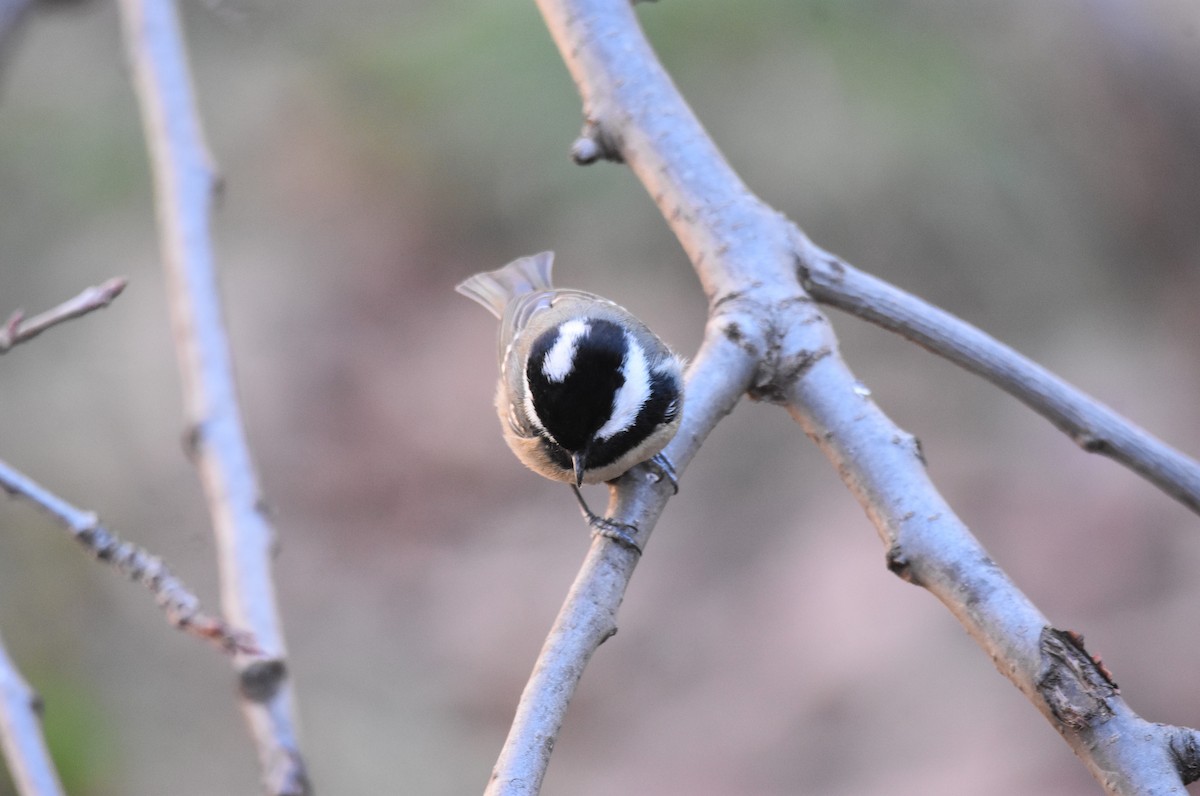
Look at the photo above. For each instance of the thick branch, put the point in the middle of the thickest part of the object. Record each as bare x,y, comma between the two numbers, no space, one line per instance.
1093,426
18,329
745,254
185,182
929,546
716,380
25,751
180,604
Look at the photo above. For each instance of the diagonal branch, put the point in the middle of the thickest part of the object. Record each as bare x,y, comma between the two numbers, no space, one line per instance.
24,746
1093,426
928,545
185,183
716,380
180,604
746,254
18,329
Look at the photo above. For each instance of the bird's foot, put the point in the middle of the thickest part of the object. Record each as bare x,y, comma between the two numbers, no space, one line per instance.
666,470
619,532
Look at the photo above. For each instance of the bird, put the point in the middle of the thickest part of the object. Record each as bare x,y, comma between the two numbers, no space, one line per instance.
586,390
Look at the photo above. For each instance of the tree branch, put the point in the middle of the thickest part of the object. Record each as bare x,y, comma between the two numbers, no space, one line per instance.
928,545
180,604
18,329
21,736
1091,424
716,380
746,256
185,183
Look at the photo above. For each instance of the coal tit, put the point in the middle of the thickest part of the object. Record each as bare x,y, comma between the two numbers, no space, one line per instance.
586,390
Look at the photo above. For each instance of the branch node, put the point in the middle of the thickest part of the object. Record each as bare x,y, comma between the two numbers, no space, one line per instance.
815,265
260,680
899,564
1186,752
914,445
1075,685
191,440
779,372
594,144
733,332
1091,442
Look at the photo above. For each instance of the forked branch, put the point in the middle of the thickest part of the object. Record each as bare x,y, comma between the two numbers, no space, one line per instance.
750,261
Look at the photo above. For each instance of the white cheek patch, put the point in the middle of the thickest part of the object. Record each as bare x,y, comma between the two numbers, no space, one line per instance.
560,359
633,393
531,413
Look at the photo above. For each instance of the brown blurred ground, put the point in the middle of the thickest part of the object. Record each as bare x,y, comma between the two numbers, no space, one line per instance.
1033,167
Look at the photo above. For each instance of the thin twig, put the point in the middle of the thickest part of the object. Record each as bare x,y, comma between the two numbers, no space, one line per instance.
185,183
1092,425
745,254
181,606
25,750
19,329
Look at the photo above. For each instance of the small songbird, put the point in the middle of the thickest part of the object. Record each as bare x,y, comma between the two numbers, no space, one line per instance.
586,390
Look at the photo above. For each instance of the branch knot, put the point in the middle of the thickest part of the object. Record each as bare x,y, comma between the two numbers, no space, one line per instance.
593,144
1075,685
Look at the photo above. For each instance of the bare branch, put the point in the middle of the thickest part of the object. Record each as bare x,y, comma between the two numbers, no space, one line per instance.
185,183
716,380
745,254
180,604
929,546
25,751
1091,424
18,329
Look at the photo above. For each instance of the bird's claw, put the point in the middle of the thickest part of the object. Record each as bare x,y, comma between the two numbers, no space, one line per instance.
666,470
619,532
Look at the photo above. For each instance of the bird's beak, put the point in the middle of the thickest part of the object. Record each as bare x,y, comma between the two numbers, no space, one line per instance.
580,461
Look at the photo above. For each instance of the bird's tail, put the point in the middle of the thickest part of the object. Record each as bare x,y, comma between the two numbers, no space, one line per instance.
494,289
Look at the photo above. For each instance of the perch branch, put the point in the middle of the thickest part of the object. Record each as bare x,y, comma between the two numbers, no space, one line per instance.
716,380
185,183
18,329
25,750
1091,424
181,606
745,254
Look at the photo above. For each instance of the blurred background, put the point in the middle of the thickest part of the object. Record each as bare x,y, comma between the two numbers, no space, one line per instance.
1033,167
